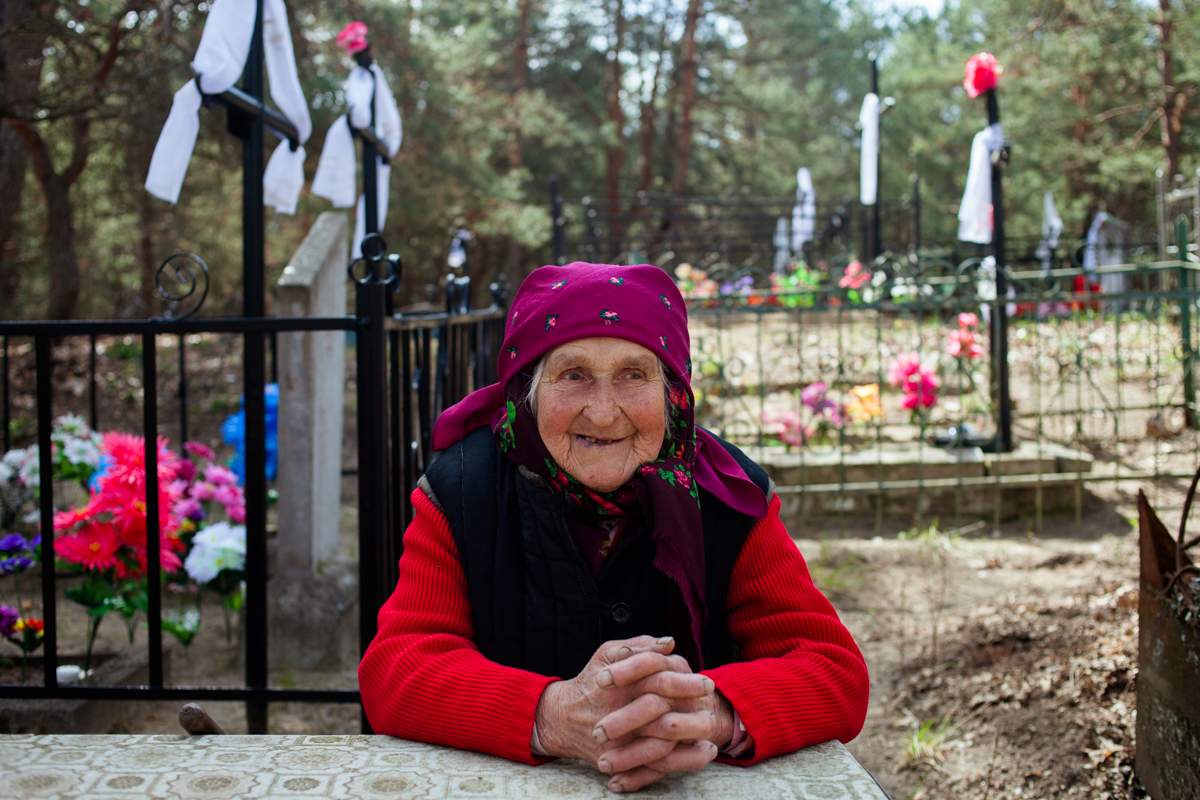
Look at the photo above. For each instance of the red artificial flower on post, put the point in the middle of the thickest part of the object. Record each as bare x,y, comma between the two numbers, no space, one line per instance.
354,38
982,74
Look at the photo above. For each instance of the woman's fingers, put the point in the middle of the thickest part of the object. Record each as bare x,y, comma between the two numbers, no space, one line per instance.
621,649
634,779
682,686
681,727
635,667
684,758
627,719
635,754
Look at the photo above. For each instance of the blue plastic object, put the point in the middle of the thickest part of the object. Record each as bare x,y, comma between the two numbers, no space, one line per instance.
234,432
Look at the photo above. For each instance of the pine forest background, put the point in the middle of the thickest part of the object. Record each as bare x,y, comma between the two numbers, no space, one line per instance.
722,98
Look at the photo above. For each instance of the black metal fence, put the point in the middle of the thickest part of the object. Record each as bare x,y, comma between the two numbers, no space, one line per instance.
409,369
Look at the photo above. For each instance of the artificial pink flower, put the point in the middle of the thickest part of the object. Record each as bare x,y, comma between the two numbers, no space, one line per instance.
905,365
982,73
189,508
185,469
855,276
353,37
199,450
813,394
964,344
228,495
220,476
236,514
203,491
968,320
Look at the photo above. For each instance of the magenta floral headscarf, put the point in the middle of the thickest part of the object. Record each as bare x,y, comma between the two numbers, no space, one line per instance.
640,304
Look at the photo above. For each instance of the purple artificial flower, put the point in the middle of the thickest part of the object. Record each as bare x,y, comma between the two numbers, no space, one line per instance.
14,541
189,508
813,395
8,620
33,543
14,565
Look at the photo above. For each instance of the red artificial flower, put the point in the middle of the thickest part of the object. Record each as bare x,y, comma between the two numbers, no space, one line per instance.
353,37
982,73
94,548
66,520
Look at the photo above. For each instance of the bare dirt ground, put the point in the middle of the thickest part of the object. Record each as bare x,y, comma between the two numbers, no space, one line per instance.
1000,667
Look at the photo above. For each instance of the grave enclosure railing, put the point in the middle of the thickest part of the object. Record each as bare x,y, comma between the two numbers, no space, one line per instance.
408,369
1108,375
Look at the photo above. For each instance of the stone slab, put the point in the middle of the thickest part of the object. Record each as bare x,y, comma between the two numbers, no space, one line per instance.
929,465
376,768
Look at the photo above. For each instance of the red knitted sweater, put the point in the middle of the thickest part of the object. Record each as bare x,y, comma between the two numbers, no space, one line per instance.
803,679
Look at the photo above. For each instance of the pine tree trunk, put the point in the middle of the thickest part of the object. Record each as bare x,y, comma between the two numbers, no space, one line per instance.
516,144
60,248
20,73
614,149
687,90
1174,102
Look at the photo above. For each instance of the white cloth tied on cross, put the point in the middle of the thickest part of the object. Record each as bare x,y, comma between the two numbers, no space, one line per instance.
337,171
220,61
1052,226
868,168
804,213
975,210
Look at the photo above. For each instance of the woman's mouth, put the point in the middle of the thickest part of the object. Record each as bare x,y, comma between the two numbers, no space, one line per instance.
597,441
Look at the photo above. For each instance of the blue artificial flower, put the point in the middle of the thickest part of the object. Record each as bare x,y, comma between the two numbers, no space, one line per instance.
14,541
15,565
106,463
234,432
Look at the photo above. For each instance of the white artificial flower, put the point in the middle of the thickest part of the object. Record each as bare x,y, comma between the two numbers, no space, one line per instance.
218,547
82,451
223,536
72,424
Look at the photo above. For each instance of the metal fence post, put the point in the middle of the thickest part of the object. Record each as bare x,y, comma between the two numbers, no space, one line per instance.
374,481
254,366
1004,436
1185,325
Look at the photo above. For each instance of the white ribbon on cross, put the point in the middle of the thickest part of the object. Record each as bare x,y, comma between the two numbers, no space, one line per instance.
220,61
336,178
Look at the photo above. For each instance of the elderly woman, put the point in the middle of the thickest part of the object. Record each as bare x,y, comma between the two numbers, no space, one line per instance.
590,575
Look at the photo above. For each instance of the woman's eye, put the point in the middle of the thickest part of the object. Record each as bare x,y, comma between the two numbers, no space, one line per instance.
573,376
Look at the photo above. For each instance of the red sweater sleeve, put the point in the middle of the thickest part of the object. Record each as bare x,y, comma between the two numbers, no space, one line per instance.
423,678
802,679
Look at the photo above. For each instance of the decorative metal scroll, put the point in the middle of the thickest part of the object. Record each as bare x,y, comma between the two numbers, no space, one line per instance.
373,253
181,266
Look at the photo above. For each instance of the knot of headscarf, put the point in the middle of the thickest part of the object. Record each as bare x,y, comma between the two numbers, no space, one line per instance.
641,304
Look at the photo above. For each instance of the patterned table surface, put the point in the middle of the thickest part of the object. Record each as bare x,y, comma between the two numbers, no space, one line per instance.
374,767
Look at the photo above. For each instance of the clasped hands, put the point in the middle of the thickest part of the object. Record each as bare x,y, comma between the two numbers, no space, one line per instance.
637,713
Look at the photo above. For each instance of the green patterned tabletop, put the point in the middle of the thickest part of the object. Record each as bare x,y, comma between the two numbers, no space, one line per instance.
370,767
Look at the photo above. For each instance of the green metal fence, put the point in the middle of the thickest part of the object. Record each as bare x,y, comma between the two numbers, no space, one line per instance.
1102,386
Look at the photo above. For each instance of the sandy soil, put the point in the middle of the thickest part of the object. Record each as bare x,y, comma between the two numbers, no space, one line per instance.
999,667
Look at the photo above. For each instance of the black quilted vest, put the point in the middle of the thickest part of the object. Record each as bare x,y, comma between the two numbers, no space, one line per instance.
534,602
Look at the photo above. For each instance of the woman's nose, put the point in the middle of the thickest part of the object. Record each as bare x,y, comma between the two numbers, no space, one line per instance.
601,409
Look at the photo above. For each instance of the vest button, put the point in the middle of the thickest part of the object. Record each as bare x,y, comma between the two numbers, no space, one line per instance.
621,613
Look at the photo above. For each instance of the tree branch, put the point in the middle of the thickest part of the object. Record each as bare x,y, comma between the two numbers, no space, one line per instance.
39,152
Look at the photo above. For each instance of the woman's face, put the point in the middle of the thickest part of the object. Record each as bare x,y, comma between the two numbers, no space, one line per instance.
601,409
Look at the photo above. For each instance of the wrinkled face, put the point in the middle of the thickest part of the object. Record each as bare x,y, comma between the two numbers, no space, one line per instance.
601,409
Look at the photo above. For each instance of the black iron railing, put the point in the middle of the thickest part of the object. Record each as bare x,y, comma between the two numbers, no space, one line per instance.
409,369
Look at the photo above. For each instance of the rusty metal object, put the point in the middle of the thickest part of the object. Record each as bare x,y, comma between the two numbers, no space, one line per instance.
1168,685
196,721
